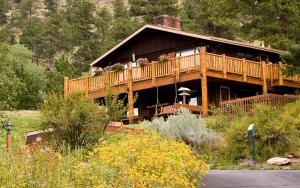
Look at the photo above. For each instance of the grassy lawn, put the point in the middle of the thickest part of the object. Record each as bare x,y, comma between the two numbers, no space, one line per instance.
22,123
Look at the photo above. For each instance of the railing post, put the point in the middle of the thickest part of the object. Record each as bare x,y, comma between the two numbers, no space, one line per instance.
66,86
177,61
87,87
264,77
224,65
130,94
204,81
280,74
153,74
245,69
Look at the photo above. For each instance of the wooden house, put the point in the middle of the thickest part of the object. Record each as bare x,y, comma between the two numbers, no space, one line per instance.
214,69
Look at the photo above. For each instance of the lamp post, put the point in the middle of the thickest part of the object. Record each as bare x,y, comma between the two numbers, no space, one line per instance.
251,136
184,93
8,126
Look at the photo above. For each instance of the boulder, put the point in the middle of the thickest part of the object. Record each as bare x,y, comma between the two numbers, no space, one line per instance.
279,161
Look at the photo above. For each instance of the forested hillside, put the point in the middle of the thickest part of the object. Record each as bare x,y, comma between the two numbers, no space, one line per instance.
44,40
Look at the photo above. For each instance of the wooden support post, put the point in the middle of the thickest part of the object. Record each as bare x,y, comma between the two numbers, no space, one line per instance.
280,74
224,65
271,73
177,61
245,69
66,86
153,74
86,83
264,77
130,94
204,81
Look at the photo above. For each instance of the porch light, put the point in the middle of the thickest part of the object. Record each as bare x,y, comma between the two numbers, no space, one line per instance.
8,126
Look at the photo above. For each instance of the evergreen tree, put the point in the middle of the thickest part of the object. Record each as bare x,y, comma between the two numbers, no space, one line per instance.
148,9
210,17
52,5
123,24
292,60
4,9
33,37
277,22
83,33
27,9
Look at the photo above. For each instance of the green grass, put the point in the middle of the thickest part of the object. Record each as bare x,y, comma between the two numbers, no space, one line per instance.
21,125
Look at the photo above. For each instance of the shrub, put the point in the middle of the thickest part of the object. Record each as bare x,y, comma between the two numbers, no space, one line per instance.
115,107
118,67
185,127
273,133
147,160
38,169
291,118
75,120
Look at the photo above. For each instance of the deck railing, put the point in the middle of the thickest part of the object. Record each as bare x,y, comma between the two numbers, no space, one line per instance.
175,66
248,103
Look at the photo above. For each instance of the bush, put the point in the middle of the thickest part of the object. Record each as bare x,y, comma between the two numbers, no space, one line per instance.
185,127
274,133
291,118
115,107
76,121
147,160
38,169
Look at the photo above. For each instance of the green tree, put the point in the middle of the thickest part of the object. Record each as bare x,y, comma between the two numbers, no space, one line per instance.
22,83
277,22
27,9
123,24
4,8
83,33
55,75
147,9
33,37
31,76
210,17
76,121
52,5
292,61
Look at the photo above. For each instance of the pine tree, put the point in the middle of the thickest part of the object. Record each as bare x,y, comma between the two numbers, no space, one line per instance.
148,9
210,17
4,8
27,9
123,24
277,22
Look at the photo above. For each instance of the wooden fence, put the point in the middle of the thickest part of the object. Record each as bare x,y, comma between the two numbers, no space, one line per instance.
248,103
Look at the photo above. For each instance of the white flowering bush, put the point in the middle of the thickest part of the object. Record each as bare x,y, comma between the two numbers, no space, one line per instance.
185,127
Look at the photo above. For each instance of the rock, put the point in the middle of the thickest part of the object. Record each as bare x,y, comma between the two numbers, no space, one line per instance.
279,161
247,163
290,156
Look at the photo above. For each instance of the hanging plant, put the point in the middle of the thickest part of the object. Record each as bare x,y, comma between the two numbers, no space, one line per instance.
143,61
163,58
118,67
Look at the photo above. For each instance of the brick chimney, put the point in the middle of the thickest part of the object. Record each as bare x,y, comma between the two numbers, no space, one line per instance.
167,21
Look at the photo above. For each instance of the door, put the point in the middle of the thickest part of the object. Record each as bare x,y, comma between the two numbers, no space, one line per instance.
224,93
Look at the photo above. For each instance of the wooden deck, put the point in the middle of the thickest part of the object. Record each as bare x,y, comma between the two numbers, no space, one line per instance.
180,70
